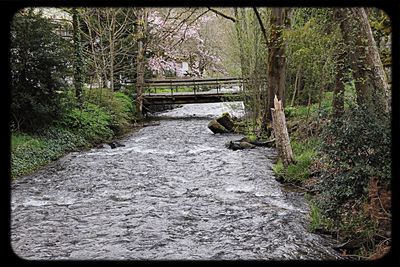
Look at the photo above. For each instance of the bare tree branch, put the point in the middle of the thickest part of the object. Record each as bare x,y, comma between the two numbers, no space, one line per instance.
222,14
264,32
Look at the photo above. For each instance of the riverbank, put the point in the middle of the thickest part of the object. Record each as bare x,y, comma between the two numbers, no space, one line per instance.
104,116
349,196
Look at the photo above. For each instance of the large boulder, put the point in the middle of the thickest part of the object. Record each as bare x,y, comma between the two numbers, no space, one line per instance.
216,127
226,121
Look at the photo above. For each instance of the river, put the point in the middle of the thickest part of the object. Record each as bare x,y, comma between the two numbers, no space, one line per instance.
172,192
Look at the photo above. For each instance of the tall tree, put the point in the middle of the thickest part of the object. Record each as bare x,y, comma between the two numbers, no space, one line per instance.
78,62
370,79
109,43
39,60
338,91
141,28
277,82
276,57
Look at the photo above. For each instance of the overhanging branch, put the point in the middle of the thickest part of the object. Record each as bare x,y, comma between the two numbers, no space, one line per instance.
222,14
261,24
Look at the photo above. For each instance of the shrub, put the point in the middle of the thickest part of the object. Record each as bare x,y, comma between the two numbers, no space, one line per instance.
118,105
355,149
29,152
91,122
39,65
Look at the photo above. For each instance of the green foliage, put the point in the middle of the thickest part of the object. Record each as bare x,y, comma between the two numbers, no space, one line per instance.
314,110
357,225
77,128
126,102
289,112
252,137
39,65
92,122
317,220
30,152
355,149
26,153
312,43
118,105
381,28
304,152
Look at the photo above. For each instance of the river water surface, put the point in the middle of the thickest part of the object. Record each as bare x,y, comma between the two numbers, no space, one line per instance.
172,192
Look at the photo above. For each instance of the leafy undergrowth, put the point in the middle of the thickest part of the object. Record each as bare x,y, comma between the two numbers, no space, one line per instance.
345,167
304,153
103,116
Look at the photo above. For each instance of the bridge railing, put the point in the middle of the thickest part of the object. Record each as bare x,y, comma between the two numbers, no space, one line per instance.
194,83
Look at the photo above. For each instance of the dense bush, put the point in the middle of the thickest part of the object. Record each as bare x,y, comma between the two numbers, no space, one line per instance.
39,65
355,149
76,129
91,122
118,105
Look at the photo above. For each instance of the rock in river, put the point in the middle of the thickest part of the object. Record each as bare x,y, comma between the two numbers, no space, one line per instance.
226,121
115,145
215,127
222,124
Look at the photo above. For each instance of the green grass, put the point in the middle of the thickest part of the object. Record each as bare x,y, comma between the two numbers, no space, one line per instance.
317,220
302,112
168,90
304,152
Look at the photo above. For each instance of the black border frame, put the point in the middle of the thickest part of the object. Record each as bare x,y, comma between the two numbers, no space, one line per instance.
9,7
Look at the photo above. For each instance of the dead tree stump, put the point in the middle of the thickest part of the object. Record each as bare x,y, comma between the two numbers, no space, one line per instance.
281,133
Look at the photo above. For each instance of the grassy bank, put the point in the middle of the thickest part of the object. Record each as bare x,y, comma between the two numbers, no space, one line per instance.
305,123
104,116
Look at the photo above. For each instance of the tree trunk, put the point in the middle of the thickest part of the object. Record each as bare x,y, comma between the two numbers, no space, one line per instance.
276,58
338,91
140,64
96,65
112,42
78,68
370,79
281,134
239,34
296,85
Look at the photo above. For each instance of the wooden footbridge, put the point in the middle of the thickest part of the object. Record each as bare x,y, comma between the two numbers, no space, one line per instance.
197,90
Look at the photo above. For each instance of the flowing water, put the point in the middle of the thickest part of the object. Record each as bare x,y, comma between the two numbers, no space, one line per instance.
172,192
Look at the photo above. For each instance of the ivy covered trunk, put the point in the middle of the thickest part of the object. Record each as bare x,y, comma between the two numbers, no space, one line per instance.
341,69
276,57
282,139
370,78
